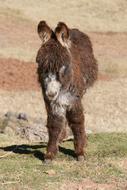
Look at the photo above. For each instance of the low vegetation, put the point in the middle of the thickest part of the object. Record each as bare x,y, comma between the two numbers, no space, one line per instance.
22,165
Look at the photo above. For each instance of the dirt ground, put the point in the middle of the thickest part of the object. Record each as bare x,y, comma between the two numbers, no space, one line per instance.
88,184
18,75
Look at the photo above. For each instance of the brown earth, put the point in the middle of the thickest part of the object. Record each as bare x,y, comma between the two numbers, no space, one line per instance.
18,75
88,184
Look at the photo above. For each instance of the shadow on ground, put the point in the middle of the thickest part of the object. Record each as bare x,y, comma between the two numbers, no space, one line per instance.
26,149
32,149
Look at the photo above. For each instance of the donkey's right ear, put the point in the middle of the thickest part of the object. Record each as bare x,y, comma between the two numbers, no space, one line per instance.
44,31
62,34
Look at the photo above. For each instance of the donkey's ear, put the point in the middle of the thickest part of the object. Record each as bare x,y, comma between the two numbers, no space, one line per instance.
62,34
44,31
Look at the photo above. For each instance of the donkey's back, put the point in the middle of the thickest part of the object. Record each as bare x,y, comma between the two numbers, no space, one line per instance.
83,46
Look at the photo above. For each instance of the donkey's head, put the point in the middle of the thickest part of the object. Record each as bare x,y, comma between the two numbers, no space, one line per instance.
54,59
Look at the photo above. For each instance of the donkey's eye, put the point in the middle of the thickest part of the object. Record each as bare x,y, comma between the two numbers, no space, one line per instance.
62,71
57,76
45,74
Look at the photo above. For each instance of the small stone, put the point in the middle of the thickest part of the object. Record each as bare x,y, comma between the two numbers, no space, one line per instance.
8,114
50,172
22,116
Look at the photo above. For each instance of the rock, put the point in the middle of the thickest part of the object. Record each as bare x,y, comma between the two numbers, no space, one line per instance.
18,124
50,172
9,131
34,133
3,124
22,116
9,114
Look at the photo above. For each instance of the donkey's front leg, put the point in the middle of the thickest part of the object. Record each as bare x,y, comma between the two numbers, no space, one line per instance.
55,125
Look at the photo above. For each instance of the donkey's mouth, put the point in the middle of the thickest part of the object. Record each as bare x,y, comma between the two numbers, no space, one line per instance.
52,97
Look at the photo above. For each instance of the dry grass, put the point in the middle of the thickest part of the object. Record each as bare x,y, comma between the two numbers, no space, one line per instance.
94,15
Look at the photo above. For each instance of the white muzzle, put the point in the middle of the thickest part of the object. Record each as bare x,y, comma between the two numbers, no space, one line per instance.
52,87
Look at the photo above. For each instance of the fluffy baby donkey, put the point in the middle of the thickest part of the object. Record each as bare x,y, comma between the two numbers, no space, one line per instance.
66,68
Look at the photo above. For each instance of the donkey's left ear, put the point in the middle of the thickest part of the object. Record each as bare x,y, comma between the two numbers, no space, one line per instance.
62,34
44,31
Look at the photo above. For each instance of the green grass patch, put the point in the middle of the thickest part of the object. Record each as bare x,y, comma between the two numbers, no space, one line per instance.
25,169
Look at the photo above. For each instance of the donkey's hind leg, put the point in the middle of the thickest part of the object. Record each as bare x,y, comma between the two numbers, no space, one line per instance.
76,122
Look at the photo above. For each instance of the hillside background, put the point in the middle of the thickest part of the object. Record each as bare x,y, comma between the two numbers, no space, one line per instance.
105,21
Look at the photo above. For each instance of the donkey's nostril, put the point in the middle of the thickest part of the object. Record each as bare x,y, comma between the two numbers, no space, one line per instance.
52,94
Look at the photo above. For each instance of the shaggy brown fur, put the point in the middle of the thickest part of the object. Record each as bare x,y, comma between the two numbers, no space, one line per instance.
73,50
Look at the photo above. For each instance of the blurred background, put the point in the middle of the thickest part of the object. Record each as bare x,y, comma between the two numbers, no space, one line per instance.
105,21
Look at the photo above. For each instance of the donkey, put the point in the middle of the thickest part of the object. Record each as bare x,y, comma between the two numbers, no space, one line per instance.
66,68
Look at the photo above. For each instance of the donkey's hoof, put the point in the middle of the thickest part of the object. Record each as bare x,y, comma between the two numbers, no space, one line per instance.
48,158
81,158
47,161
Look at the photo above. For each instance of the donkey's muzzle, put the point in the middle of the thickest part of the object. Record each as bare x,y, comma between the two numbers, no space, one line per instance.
51,95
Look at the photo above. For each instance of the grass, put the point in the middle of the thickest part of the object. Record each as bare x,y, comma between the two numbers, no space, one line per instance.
24,168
